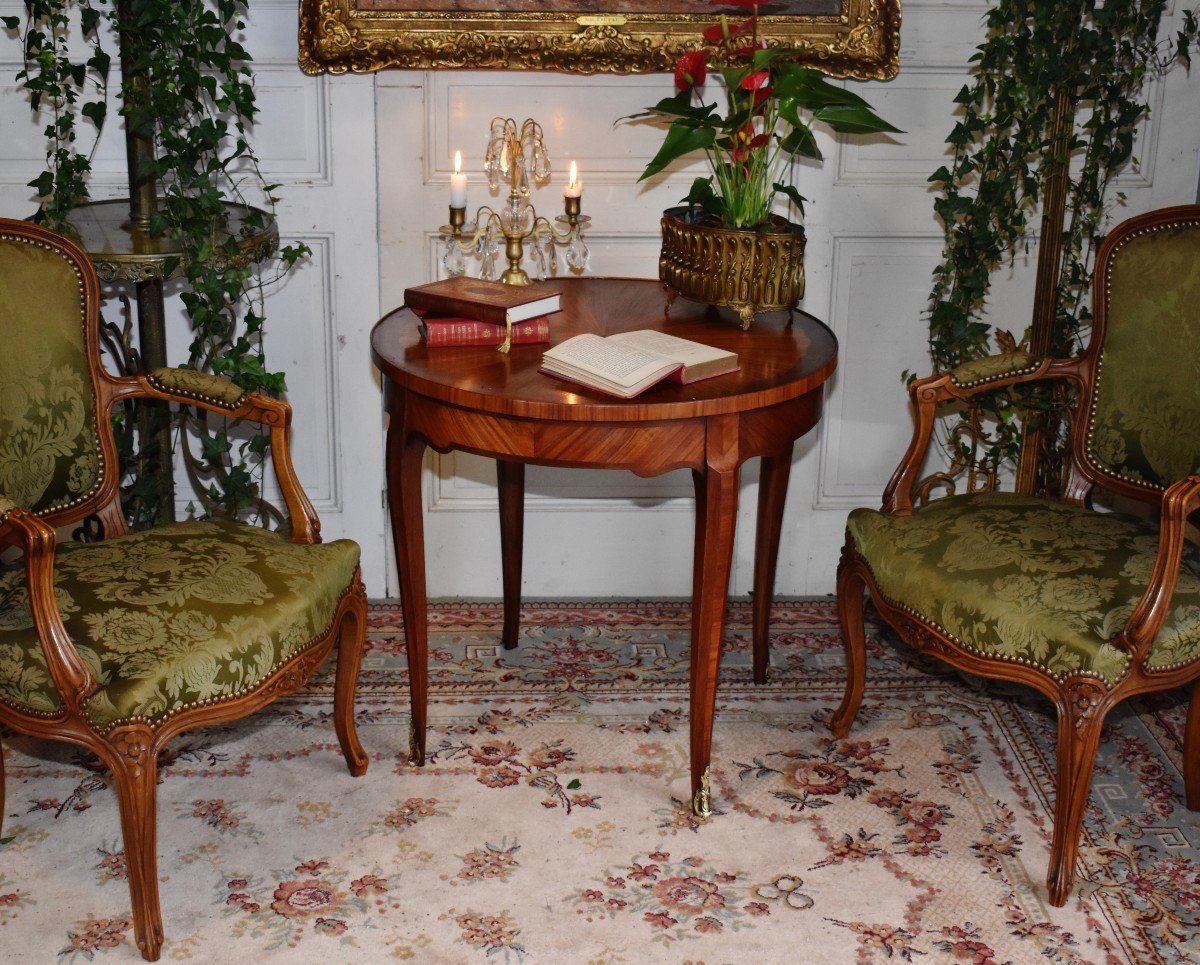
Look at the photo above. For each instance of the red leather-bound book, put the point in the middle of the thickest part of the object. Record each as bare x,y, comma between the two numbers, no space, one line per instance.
439,330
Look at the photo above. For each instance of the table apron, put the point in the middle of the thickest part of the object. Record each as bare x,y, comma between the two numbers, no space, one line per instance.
645,448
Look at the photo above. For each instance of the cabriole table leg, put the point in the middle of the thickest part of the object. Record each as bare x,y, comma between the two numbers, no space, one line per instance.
709,593
404,457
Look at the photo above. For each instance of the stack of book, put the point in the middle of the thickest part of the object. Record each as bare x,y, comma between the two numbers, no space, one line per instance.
472,311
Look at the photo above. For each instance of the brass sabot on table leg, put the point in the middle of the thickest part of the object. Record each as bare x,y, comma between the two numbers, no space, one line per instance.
702,799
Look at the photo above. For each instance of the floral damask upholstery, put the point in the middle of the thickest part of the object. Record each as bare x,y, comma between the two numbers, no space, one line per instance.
49,447
1144,425
1026,579
175,615
990,367
1087,607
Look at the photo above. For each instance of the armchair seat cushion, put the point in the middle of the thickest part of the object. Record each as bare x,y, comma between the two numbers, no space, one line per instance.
1033,581
174,616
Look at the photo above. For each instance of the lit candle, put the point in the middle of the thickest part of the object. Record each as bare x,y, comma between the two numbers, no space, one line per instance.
458,184
574,188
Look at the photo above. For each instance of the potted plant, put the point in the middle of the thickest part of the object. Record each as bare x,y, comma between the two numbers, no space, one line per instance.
726,245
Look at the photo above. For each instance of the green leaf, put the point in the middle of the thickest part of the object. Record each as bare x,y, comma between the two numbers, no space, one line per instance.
43,184
681,139
574,785
855,120
95,112
812,91
792,194
704,197
801,141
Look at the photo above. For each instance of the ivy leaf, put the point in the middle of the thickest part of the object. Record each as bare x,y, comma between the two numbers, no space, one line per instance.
43,184
95,111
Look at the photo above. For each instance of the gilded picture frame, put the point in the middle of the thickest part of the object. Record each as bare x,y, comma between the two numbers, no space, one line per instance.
845,38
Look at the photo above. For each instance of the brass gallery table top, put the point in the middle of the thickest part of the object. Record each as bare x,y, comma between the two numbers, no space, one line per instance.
479,400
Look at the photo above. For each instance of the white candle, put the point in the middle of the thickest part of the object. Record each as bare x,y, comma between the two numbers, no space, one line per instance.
458,184
574,188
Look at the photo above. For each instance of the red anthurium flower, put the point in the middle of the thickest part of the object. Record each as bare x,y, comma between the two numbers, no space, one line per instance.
745,141
724,30
756,81
691,70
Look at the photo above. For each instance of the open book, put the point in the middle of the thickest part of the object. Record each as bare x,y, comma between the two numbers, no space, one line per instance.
627,364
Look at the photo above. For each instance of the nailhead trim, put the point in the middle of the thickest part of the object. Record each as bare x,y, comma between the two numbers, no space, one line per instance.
199,397
9,702
1091,433
1023,661
1028,370
227,698
84,497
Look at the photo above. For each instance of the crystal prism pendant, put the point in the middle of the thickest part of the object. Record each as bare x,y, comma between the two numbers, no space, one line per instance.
452,261
577,253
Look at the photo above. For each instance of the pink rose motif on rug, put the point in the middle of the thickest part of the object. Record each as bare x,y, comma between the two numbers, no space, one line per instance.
677,898
313,901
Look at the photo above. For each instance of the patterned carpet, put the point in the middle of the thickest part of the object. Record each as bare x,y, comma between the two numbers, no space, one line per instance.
549,824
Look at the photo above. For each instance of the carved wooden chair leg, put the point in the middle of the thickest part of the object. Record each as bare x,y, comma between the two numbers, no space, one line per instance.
351,638
134,764
1191,751
1080,721
850,603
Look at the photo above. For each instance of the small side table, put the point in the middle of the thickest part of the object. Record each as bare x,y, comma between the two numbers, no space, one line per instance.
479,400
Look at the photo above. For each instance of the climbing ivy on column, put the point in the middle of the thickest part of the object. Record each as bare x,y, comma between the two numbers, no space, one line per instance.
1103,54
198,106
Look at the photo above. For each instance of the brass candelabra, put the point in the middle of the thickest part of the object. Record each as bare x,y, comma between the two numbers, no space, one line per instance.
514,156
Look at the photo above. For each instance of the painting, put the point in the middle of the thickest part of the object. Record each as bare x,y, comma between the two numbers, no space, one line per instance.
845,38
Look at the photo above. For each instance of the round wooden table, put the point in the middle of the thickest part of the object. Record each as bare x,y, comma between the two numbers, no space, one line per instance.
482,401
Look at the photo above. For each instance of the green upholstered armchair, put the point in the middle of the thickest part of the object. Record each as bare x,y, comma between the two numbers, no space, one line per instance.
121,644
1087,607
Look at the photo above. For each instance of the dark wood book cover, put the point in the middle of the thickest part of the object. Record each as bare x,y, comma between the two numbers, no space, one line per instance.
484,301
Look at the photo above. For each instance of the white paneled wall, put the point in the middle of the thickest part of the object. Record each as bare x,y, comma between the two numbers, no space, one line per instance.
364,166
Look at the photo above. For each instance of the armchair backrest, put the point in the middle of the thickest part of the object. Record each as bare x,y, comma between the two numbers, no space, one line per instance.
52,459
1141,407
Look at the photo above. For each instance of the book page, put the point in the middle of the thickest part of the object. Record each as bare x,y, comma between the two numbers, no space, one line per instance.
623,364
676,349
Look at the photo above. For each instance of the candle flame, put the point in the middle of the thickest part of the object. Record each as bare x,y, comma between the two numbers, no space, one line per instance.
458,162
574,172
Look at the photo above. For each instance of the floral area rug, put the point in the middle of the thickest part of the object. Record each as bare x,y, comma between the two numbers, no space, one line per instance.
550,823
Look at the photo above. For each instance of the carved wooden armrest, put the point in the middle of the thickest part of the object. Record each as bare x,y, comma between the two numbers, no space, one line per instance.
1180,500
19,527
962,382
216,394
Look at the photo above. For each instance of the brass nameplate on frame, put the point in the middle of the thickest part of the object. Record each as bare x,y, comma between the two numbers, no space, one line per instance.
845,38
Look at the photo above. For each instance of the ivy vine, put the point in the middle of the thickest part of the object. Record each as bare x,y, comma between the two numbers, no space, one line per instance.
195,100
1100,56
